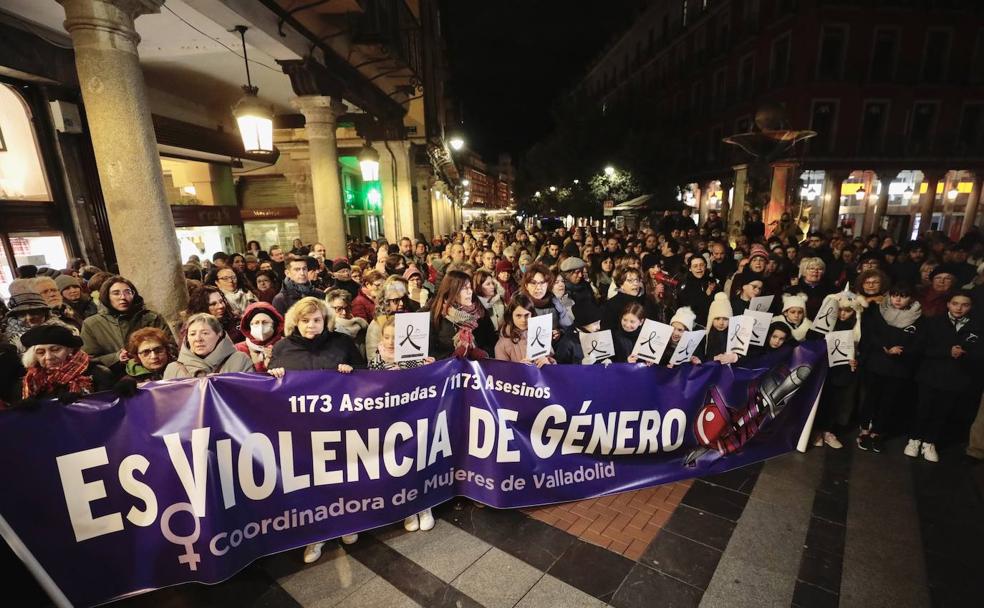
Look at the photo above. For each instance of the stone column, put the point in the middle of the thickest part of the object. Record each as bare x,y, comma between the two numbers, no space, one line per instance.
424,203
129,166
927,200
727,183
970,211
404,190
320,113
307,222
738,204
885,178
783,177
702,202
830,198
387,187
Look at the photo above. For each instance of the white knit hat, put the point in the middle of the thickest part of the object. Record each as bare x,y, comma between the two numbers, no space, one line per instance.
793,300
684,316
720,307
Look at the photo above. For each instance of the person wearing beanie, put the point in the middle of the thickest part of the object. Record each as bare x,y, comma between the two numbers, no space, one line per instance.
104,335
505,275
794,315
46,286
341,270
714,346
418,290
840,390
26,309
574,273
262,326
933,298
57,367
683,320
73,295
587,319
27,271
746,285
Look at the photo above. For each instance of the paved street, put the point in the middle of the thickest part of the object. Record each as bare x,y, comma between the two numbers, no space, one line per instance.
825,528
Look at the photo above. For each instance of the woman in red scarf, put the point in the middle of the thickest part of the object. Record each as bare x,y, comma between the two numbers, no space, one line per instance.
57,367
459,327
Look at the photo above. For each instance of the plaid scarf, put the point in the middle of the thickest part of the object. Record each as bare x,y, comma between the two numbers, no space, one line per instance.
66,377
465,320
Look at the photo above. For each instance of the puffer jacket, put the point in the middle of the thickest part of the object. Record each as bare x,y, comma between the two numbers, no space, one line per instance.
326,351
223,359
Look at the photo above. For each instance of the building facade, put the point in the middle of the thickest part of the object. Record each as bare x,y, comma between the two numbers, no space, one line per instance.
894,90
118,142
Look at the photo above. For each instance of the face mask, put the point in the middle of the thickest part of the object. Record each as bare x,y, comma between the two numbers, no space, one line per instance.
260,332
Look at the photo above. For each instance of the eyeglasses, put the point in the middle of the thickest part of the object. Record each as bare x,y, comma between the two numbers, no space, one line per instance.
160,350
119,294
229,278
538,283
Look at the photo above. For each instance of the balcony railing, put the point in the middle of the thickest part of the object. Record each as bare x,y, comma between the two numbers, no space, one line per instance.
391,25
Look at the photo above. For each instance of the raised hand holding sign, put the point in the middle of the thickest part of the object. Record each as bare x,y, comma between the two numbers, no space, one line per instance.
687,346
598,344
412,333
840,347
538,336
652,341
740,334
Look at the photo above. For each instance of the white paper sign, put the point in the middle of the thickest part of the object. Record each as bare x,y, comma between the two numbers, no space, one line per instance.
538,337
760,328
740,334
411,336
598,344
826,316
687,347
840,347
761,303
652,341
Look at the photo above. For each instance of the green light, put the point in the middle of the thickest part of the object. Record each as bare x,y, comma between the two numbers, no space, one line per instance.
374,197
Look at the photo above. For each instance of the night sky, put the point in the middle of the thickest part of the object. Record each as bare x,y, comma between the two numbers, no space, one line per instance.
511,59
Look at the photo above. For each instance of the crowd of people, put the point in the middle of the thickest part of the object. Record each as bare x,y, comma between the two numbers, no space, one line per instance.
913,309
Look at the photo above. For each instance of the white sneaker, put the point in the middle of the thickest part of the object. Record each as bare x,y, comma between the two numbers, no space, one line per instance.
929,452
312,553
349,539
411,524
818,441
912,448
831,440
426,519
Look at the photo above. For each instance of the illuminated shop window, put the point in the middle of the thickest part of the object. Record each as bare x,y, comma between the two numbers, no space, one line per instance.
21,174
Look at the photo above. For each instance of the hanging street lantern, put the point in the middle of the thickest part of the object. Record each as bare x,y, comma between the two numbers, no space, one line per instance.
369,163
254,118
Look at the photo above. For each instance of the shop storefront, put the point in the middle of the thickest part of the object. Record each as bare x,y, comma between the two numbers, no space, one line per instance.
34,221
204,230
271,226
363,201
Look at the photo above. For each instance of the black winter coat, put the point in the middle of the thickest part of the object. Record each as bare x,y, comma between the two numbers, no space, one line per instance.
326,351
938,368
693,293
611,317
878,336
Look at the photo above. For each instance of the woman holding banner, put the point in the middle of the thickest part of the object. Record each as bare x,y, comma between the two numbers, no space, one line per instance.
458,323
512,337
309,344
206,350
385,359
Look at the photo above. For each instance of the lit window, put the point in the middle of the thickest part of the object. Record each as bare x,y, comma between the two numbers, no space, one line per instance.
21,175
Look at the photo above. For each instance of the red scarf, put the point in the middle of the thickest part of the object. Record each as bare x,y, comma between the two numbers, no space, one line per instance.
68,376
465,321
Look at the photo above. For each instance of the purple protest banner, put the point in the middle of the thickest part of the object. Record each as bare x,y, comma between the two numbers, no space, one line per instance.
192,480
